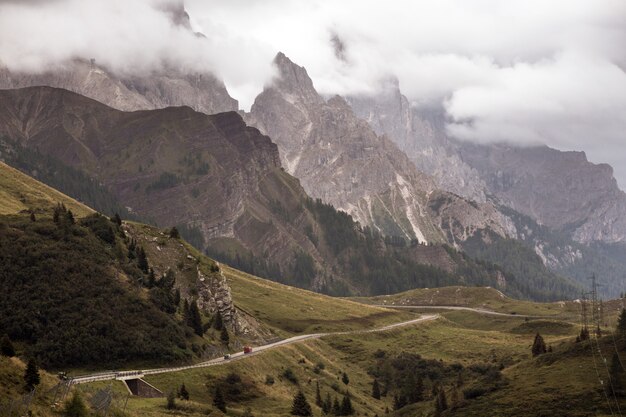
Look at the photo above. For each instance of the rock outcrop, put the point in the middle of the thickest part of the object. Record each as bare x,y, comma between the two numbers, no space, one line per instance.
341,160
420,133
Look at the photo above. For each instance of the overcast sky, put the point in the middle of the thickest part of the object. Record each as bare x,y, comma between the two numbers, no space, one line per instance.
532,71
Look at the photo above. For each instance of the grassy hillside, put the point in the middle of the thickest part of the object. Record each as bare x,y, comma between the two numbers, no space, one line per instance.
19,192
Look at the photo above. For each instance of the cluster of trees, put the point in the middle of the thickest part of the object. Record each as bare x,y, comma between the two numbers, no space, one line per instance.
64,178
62,299
525,272
411,379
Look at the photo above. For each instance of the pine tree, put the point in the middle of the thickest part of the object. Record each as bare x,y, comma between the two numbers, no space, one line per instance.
174,234
345,379
584,334
183,394
151,278
32,217
441,402
218,400
171,400
346,406
224,337
539,346
142,260
318,394
218,323
6,347
615,373
376,390
300,406
455,397
195,318
70,217
187,314
75,407
336,409
621,324
31,375
117,219
327,405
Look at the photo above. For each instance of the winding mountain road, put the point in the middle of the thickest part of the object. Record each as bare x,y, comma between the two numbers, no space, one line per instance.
121,375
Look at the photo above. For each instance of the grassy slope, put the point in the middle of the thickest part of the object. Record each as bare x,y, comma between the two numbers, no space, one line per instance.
475,297
294,310
20,192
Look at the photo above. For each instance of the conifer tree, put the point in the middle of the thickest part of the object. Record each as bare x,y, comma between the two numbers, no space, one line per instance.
224,337
327,405
621,324
31,375
195,318
32,217
186,313
142,260
345,379
174,234
218,400
376,390
117,219
539,346
6,347
300,406
336,409
441,402
151,278
318,394
615,373
218,323
75,407
171,400
183,394
70,217
346,406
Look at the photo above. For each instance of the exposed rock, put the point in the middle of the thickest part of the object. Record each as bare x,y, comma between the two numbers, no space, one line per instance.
420,133
167,87
341,160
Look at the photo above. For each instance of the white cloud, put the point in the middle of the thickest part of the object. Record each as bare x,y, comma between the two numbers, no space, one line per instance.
530,71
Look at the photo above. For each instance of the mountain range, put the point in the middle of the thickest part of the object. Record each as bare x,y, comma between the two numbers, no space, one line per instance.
388,164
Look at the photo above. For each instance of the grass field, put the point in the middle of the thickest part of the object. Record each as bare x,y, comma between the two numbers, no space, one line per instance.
20,192
296,311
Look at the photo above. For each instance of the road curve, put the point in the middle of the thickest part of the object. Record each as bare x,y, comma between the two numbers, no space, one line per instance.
475,310
109,375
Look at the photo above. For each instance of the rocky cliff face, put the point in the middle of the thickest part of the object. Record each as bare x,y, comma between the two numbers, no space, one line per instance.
168,86
421,135
561,190
341,160
202,92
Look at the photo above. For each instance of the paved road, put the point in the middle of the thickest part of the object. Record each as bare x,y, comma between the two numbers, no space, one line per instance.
109,375
475,310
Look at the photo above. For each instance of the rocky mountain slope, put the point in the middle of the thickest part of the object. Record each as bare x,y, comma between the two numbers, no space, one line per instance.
341,160
560,190
221,183
164,87
421,135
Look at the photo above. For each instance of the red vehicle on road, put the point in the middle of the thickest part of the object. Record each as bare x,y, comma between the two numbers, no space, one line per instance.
247,349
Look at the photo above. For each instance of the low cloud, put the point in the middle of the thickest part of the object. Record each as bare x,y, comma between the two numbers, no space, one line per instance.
524,72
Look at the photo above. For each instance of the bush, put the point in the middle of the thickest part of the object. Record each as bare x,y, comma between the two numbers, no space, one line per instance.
290,376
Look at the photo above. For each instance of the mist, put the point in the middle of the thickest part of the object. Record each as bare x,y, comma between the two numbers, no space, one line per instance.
530,72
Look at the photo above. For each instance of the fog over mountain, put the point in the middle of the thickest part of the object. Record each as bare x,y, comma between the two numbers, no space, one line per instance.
522,72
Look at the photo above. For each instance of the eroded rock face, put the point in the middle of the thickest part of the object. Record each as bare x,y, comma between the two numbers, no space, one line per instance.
420,133
202,92
561,190
341,160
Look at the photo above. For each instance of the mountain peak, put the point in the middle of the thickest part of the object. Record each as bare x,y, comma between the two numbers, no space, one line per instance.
294,79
